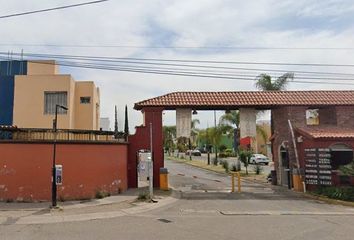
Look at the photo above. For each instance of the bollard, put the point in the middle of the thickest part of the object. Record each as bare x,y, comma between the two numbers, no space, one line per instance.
232,182
239,182
164,179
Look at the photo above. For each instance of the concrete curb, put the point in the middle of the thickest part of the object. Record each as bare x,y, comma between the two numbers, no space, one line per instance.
285,213
327,200
53,218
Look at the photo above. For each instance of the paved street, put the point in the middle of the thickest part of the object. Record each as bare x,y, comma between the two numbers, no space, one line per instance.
204,208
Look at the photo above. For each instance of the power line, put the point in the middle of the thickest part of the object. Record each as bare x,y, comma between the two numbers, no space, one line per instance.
174,47
144,61
203,61
174,73
210,72
52,9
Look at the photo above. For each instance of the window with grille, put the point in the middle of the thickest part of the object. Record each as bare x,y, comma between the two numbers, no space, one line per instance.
85,100
51,99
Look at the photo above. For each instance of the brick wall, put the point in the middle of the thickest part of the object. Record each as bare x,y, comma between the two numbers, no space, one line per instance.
297,116
342,116
345,116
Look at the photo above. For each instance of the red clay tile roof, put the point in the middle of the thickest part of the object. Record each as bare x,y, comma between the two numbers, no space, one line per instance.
258,99
327,132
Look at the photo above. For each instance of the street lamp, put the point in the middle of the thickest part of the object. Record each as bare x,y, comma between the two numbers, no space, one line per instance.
54,182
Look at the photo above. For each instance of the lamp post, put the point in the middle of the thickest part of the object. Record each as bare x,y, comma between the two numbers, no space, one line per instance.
54,183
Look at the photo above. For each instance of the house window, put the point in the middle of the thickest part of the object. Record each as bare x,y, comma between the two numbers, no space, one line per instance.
51,99
312,117
85,100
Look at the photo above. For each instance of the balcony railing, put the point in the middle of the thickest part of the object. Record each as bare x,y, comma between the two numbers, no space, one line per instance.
41,134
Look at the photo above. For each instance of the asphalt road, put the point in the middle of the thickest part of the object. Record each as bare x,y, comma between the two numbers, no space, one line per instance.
206,210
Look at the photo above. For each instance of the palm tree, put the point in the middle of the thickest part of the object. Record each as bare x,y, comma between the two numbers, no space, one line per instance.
262,132
264,82
232,119
169,135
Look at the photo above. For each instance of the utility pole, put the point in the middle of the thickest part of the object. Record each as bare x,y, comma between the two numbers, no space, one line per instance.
151,166
54,177
216,148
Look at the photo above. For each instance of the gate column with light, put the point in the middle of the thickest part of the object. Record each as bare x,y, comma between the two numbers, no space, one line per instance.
54,181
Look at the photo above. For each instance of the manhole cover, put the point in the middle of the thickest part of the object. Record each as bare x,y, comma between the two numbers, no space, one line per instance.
164,220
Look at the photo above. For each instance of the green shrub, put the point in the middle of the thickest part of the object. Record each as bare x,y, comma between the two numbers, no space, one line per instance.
347,169
143,195
236,166
225,165
222,148
229,151
102,194
258,169
223,155
340,193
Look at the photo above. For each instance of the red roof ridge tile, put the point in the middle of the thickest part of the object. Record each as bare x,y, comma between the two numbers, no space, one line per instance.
191,99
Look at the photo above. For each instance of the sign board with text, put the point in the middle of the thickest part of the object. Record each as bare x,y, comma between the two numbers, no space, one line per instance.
318,169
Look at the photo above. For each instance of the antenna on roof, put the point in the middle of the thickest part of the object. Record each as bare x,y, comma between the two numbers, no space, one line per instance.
21,63
10,63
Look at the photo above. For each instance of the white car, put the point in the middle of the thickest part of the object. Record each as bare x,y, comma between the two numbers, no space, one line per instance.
259,158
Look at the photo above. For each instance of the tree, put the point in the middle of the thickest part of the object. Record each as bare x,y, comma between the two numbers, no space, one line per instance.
126,124
262,132
194,130
245,156
115,122
212,137
264,82
169,136
232,119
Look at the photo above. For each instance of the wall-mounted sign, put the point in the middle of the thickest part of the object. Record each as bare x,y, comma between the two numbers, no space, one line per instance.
318,169
183,122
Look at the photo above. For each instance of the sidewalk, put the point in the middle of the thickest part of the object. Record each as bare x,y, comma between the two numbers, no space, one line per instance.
113,206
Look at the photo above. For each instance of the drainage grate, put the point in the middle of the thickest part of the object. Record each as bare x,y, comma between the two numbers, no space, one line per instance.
164,220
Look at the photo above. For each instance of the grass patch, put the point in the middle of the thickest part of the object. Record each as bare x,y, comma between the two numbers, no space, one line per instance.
339,193
102,194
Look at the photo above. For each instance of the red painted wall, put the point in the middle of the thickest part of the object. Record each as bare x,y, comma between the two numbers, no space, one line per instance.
141,140
25,170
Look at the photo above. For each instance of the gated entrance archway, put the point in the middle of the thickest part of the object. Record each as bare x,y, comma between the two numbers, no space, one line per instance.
286,106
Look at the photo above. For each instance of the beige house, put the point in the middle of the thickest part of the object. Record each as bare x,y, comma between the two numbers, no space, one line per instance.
37,93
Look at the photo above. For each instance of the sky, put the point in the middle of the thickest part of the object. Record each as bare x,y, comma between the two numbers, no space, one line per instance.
311,31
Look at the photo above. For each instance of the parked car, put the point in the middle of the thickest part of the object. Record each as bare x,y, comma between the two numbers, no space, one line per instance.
259,158
194,152
202,150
